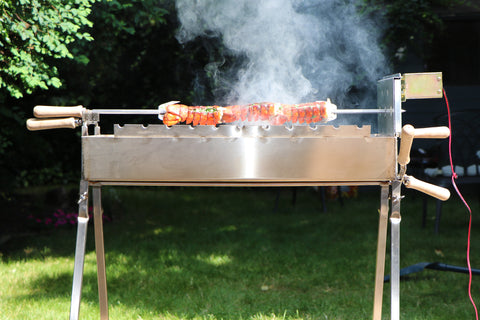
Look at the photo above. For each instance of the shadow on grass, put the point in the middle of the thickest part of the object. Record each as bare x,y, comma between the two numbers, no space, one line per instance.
223,252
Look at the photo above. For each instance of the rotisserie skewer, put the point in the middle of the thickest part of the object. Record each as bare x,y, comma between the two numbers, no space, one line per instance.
172,113
272,113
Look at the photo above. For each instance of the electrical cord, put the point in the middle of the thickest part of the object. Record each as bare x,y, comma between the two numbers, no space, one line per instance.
454,176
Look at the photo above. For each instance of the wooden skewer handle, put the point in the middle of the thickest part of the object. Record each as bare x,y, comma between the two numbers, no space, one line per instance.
432,133
58,112
428,188
409,133
45,124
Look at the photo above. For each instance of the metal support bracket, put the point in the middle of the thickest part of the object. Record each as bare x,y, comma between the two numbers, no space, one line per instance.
424,85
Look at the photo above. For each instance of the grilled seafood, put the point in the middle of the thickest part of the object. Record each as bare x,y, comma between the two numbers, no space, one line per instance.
273,113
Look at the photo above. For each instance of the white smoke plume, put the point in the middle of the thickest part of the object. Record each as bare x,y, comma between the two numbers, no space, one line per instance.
290,51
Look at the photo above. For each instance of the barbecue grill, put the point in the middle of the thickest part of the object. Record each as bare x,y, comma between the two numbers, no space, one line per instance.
253,155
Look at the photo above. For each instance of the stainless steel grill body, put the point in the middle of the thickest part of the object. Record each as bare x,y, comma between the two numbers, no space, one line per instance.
248,155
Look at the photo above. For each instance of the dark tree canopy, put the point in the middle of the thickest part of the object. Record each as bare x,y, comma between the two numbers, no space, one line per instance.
103,53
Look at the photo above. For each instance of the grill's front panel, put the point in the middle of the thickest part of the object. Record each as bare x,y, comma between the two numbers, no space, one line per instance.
233,154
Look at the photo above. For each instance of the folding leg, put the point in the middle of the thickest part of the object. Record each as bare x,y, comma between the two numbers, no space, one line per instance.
99,248
79,251
395,219
381,247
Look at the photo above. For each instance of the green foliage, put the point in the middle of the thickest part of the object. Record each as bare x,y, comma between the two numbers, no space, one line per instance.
31,33
35,35
128,17
28,158
410,25
134,61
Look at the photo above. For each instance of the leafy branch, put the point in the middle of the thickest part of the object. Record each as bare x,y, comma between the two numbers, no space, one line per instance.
32,32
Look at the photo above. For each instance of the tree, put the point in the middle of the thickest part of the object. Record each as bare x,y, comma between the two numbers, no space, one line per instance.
32,32
34,36
125,63
411,26
135,59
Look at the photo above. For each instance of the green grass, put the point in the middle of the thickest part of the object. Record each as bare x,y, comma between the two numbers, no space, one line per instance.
222,253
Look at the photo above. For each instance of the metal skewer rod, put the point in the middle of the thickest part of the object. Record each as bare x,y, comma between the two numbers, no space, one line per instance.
78,111
160,113
361,111
127,111
157,112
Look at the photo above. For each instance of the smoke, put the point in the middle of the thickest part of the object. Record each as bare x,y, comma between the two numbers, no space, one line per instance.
286,51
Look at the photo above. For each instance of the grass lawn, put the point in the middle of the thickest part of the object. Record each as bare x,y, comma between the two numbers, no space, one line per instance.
223,253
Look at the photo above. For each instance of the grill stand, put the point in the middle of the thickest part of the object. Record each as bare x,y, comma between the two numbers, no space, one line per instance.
381,247
248,155
395,219
100,251
99,248
79,250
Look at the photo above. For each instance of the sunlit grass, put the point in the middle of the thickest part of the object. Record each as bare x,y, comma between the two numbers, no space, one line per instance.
219,253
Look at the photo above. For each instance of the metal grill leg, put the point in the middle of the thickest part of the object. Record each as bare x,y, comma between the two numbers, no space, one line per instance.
395,251
381,247
99,248
79,251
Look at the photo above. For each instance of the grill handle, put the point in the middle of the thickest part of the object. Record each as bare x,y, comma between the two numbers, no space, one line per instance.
58,112
409,133
428,188
45,124
432,133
